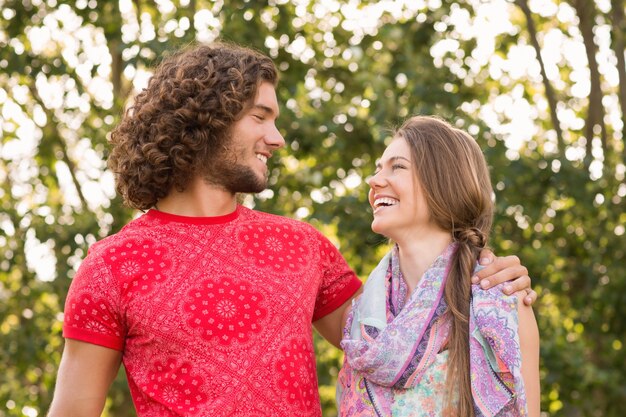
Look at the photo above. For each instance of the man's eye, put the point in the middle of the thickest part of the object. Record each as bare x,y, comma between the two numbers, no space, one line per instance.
258,117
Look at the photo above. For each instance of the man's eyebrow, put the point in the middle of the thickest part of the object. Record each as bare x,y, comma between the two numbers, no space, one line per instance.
265,109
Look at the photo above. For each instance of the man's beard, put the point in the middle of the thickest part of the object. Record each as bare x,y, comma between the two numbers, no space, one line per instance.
226,172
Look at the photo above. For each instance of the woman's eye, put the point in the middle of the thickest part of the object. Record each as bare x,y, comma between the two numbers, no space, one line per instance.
397,166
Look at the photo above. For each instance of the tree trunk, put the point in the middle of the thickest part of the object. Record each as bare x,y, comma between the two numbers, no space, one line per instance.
595,113
113,34
192,18
619,27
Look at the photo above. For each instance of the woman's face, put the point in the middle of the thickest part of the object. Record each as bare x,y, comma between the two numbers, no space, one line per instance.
396,197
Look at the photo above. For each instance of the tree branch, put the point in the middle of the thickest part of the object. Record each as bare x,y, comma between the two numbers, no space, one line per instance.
56,136
550,95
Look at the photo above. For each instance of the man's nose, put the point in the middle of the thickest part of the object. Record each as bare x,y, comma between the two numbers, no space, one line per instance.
275,138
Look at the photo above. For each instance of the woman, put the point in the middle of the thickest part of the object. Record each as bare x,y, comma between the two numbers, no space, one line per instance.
419,341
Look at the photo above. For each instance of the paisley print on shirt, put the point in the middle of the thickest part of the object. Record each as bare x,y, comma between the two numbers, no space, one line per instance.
224,311
274,246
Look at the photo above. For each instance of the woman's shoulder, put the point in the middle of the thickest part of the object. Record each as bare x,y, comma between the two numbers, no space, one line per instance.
493,312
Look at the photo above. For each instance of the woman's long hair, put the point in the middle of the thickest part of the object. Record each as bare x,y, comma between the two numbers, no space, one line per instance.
454,177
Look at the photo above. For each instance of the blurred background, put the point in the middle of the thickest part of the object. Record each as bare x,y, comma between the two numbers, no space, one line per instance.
541,85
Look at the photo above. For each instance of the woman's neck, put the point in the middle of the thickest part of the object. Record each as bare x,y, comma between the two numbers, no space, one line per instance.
417,255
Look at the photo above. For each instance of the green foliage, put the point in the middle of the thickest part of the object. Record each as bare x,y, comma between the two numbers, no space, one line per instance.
343,87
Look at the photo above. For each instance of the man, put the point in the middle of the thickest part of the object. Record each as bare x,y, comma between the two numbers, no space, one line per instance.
208,304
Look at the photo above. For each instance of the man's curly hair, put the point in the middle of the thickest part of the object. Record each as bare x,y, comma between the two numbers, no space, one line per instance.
183,118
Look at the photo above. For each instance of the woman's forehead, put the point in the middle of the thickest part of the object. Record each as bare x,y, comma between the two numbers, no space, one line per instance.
397,148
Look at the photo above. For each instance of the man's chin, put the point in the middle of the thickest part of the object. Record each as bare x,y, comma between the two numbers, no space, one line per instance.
250,188
260,186
238,180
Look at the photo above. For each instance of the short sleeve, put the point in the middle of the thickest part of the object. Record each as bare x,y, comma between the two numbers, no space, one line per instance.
339,282
92,309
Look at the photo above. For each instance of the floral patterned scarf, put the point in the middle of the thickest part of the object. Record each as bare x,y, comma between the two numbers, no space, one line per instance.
390,342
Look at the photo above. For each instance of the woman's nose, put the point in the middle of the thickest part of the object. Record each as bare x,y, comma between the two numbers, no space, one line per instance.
376,180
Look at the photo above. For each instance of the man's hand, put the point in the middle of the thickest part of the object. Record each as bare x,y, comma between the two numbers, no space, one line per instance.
502,269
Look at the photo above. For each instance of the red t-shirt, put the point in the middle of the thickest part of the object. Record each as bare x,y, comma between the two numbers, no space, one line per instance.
213,315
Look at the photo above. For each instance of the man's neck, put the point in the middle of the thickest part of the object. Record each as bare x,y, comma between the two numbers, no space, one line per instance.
199,199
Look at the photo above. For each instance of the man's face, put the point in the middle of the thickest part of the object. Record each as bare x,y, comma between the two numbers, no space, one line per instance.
242,166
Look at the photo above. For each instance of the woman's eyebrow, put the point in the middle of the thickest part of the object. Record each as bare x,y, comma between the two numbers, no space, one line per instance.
391,160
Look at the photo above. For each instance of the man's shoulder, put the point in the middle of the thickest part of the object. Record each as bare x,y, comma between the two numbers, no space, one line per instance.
254,216
138,228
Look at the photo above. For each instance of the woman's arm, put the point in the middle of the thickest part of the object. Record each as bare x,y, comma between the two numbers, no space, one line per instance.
529,343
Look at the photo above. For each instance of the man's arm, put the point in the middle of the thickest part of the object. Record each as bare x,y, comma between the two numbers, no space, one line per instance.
85,375
496,270
331,325
502,269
